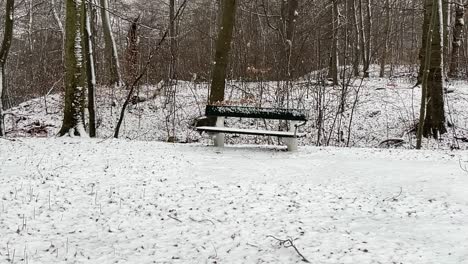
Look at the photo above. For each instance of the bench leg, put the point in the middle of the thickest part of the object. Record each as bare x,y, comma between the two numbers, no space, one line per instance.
291,143
218,140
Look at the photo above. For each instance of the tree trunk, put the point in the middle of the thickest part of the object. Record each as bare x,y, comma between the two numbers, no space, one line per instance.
90,69
290,30
434,123
110,47
446,20
223,47
368,47
173,41
430,17
333,69
6,44
383,61
454,71
357,40
75,75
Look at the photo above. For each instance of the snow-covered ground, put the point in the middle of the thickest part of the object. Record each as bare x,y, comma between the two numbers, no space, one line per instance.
117,201
376,109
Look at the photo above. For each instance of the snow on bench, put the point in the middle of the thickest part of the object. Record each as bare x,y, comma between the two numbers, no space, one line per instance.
221,112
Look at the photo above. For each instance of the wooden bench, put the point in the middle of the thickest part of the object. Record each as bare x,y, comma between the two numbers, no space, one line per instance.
296,117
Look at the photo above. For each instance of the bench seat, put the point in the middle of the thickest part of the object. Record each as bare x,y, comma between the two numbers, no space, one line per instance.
215,115
230,130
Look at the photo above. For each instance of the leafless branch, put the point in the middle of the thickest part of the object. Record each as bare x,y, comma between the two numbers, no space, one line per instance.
172,217
287,243
394,198
464,167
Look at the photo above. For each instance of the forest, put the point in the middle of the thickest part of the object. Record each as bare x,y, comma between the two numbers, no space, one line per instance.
159,57
233,131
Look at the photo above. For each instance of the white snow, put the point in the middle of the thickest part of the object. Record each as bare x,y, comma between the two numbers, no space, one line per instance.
250,131
386,109
116,201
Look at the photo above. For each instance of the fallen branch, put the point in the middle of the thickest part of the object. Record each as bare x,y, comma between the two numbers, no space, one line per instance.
172,217
287,243
394,198
392,142
464,167
201,221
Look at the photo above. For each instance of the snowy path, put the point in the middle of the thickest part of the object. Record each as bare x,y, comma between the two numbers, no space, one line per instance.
70,201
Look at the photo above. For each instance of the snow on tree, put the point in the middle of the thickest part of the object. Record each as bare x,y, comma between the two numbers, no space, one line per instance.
75,75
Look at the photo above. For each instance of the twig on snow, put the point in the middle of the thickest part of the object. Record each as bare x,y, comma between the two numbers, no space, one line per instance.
172,217
287,243
201,221
394,198
464,167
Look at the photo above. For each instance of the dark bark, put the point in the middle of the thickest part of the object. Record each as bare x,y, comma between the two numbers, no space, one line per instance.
434,123
223,47
6,44
333,68
88,40
173,40
454,71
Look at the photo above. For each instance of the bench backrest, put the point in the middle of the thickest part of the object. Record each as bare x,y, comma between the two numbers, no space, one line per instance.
256,112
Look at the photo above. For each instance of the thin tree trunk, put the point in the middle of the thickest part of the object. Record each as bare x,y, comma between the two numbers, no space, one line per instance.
290,30
6,44
454,71
90,69
357,39
223,47
173,41
362,33
446,19
333,69
383,61
112,56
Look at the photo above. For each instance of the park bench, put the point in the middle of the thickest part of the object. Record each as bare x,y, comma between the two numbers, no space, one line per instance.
296,117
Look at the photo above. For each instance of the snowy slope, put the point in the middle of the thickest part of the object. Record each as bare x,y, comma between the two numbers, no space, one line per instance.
116,201
385,109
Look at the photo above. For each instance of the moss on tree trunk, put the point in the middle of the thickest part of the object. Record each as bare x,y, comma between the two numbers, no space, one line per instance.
75,76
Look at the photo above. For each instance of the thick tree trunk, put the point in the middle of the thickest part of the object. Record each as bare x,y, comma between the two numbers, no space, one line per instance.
434,124
454,71
110,47
431,18
75,75
223,47
6,44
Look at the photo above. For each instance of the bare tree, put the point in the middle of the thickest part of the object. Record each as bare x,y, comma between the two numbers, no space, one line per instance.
454,70
223,46
432,115
88,46
75,74
6,44
111,48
